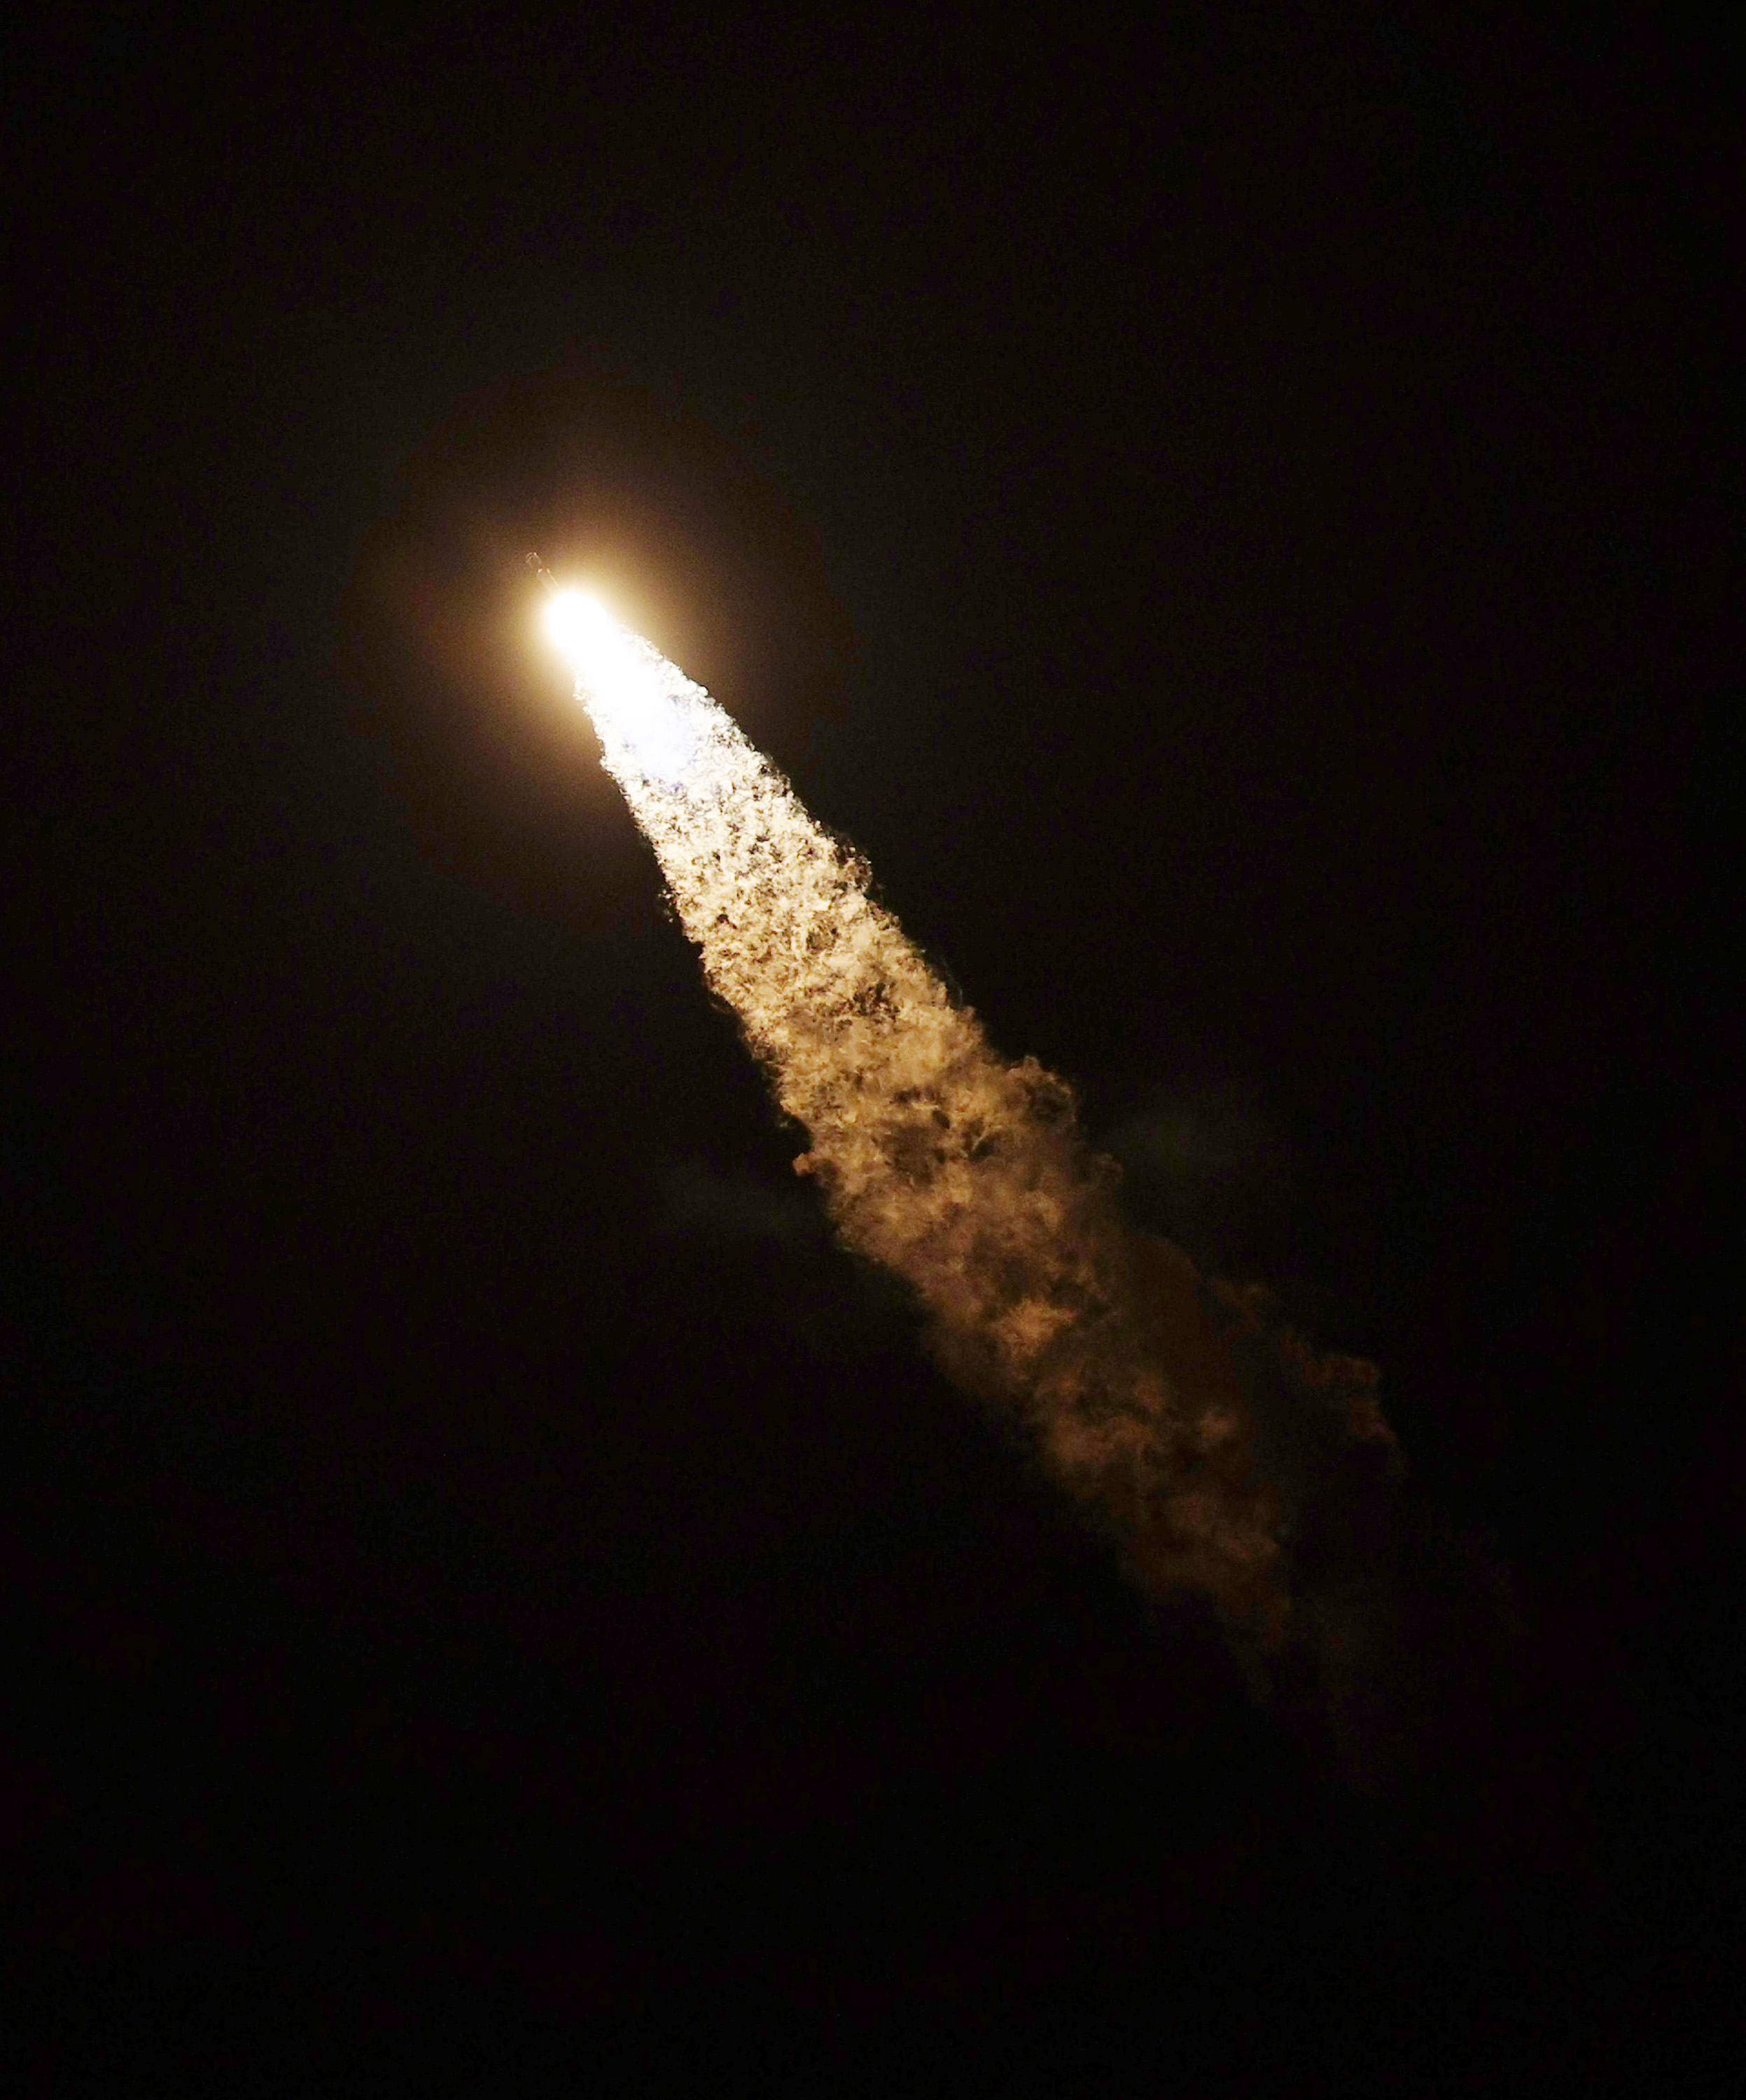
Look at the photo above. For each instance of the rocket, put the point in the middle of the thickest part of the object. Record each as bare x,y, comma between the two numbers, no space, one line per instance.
547,582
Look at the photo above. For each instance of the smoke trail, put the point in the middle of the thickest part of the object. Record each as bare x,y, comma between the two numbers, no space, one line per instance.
962,1172
1220,1451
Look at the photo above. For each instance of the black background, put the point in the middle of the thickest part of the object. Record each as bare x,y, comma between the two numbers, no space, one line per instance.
1227,514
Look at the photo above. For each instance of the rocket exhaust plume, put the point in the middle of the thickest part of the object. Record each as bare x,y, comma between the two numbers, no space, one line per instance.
1218,1451
963,1172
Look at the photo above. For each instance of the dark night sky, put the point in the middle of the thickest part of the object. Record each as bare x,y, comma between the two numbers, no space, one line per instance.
1228,516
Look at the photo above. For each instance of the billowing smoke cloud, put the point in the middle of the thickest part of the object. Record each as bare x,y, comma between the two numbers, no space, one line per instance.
1217,1450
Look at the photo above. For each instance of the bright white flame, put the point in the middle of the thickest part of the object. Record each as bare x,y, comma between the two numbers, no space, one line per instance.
627,685
575,622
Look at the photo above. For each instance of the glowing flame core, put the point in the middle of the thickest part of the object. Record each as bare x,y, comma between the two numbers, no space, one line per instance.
640,705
